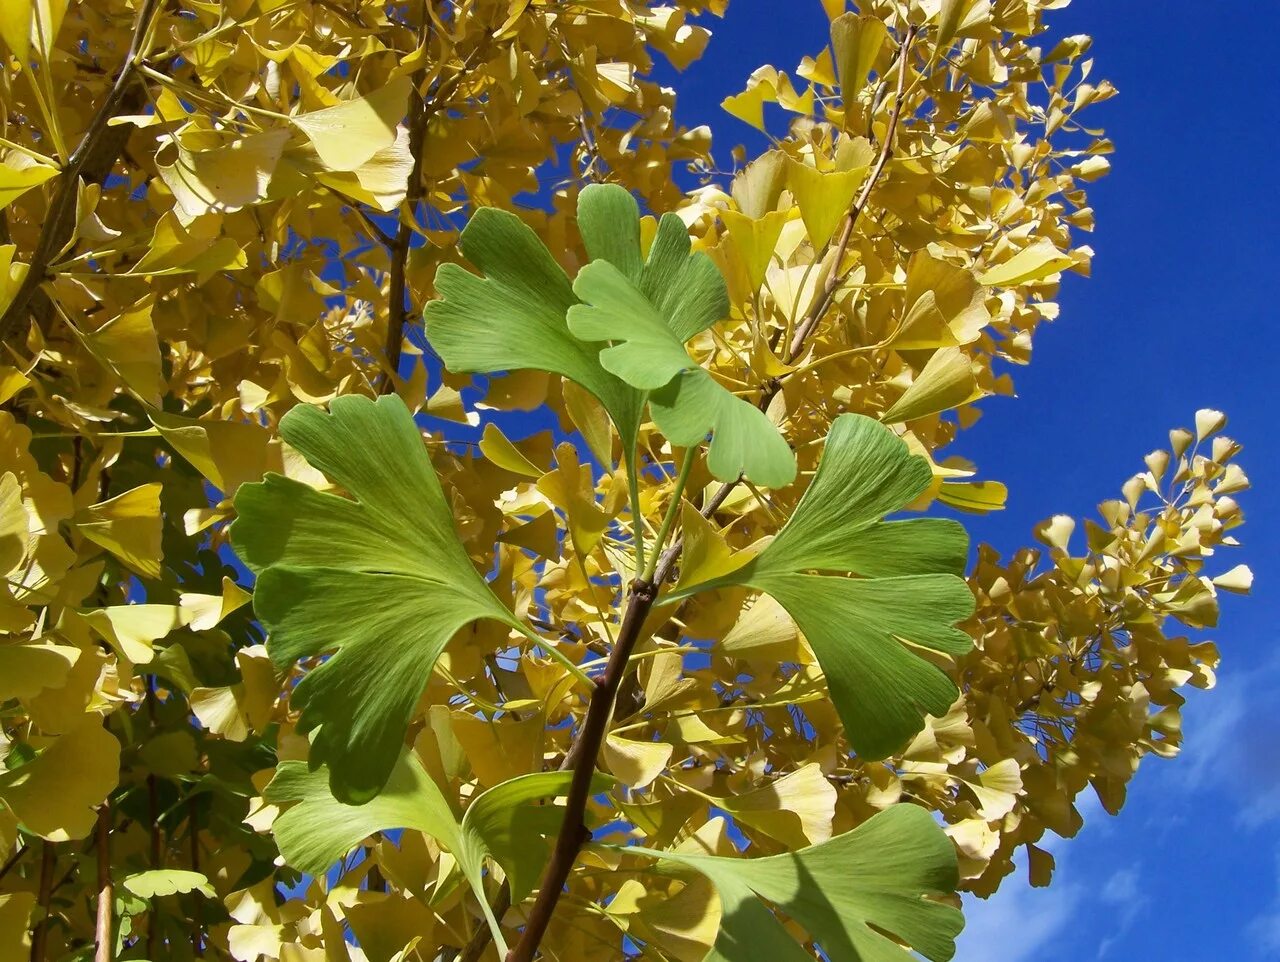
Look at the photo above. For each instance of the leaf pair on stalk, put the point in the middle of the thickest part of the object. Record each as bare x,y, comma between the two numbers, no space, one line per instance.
379,579
618,329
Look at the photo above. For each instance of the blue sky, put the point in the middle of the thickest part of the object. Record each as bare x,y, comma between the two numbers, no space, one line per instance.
1175,318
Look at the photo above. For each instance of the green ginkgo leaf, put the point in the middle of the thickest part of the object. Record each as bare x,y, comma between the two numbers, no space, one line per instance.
685,401
908,593
378,579
866,896
147,885
513,318
506,823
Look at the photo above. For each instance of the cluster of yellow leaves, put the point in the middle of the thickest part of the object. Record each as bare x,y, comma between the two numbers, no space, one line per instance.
251,220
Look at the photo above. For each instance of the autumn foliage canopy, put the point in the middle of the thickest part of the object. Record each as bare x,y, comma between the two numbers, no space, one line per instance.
448,511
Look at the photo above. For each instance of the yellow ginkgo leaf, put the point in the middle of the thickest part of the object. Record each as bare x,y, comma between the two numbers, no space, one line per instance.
15,26
222,179
945,382
977,497
28,669
54,795
228,453
636,763
196,247
236,710
765,632
133,630
796,809
15,927
202,612
823,198
591,420
350,134
755,239
1239,580
381,181
1035,262
128,344
684,924
495,446
128,526
14,524
18,174
569,487
996,788
858,43
945,305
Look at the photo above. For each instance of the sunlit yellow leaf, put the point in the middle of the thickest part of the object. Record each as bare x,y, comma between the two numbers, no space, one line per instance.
18,174
128,526
28,669
128,344
133,629
55,794
823,198
1035,262
495,446
978,497
858,42
636,763
15,927
225,178
945,382
228,453
350,134
15,26
755,239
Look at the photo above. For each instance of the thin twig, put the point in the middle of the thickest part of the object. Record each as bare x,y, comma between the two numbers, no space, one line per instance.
13,860
40,934
106,895
197,920
60,219
153,817
397,310
835,278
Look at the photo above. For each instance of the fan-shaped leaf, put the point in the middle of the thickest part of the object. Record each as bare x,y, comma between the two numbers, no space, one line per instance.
865,896
908,590
380,580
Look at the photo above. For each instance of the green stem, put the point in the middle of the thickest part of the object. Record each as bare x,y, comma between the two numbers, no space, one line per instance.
637,522
673,509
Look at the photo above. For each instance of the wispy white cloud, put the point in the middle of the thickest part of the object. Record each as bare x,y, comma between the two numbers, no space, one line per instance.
1123,894
1264,930
1017,923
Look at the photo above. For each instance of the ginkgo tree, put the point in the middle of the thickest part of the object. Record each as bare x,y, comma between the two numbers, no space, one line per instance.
445,515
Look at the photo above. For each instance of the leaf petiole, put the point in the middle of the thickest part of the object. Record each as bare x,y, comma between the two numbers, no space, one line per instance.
690,455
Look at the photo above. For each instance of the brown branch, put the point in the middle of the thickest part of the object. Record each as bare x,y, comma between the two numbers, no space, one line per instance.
573,831
420,112
397,311
156,841
13,860
59,221
197,920
40,934
103,944
835,278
